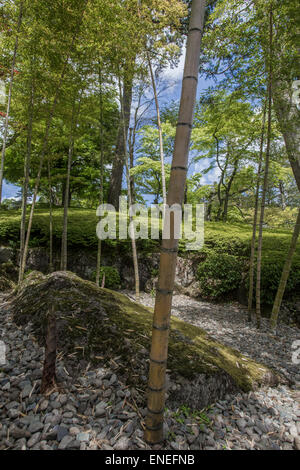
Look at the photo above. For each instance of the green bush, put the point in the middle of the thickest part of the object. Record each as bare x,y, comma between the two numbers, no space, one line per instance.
219,274
112,277
271,270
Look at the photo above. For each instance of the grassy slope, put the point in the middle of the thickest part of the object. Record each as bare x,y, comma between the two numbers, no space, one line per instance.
233,238
219,237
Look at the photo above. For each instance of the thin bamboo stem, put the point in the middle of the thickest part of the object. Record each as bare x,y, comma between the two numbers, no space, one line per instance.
252,255
99,250
132,235
266,175
26,179
161,145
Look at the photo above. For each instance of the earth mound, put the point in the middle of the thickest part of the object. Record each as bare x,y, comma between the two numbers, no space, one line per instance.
104,326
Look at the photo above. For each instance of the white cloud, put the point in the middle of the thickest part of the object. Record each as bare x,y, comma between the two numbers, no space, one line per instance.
209,177
175,74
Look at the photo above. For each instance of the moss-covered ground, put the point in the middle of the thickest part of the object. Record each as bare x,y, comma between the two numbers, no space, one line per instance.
102,325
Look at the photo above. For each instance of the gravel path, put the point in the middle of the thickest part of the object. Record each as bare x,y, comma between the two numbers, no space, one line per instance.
227,323
97,411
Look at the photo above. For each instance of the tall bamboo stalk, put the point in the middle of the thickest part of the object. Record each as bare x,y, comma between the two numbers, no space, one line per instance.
9,98
39,174
101,175
50,217
36,188
284,275
26,175
161,320
64,239
266,174
161,145
45,146
132,236
252,255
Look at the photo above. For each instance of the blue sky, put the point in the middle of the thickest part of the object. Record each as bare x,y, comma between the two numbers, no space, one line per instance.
171,83
9,190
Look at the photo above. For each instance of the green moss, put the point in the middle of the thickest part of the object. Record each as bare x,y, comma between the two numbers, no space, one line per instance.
8,274
101,324
221,240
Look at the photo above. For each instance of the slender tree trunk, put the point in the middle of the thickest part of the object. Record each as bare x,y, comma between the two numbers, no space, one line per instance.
265,185
50,217
220,181
285,275
39,174
282,195
101,176
289,122
132,139
64,240
49,370
115,186
227,192
161,321
161,145
252,255
133,242
26,177
209,206
9,98
131,162
45,145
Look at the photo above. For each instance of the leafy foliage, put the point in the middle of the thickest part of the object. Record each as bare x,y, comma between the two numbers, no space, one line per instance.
112,277
219,274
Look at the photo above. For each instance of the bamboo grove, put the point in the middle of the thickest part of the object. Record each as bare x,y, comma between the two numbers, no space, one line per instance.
83,121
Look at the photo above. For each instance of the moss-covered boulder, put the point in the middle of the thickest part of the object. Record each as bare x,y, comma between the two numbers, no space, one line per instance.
104,326
5,284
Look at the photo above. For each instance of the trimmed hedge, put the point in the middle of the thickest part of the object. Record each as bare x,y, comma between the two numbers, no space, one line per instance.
227,248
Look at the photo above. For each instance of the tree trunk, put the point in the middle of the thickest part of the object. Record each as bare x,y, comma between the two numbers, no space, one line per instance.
282,195
252,255
161,145
115,186
9,98
159,348
131,161
49,370
26,177
227,191
265,185
285,275
289,122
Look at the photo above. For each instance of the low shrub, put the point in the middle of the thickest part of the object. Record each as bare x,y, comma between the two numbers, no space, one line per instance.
271,270
112,277
219,275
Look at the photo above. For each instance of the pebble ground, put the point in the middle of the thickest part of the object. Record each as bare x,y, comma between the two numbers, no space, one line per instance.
95,410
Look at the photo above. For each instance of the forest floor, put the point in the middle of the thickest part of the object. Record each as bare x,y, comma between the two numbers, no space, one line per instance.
97,410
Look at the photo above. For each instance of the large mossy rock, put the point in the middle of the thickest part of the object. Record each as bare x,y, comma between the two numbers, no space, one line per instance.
101,325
